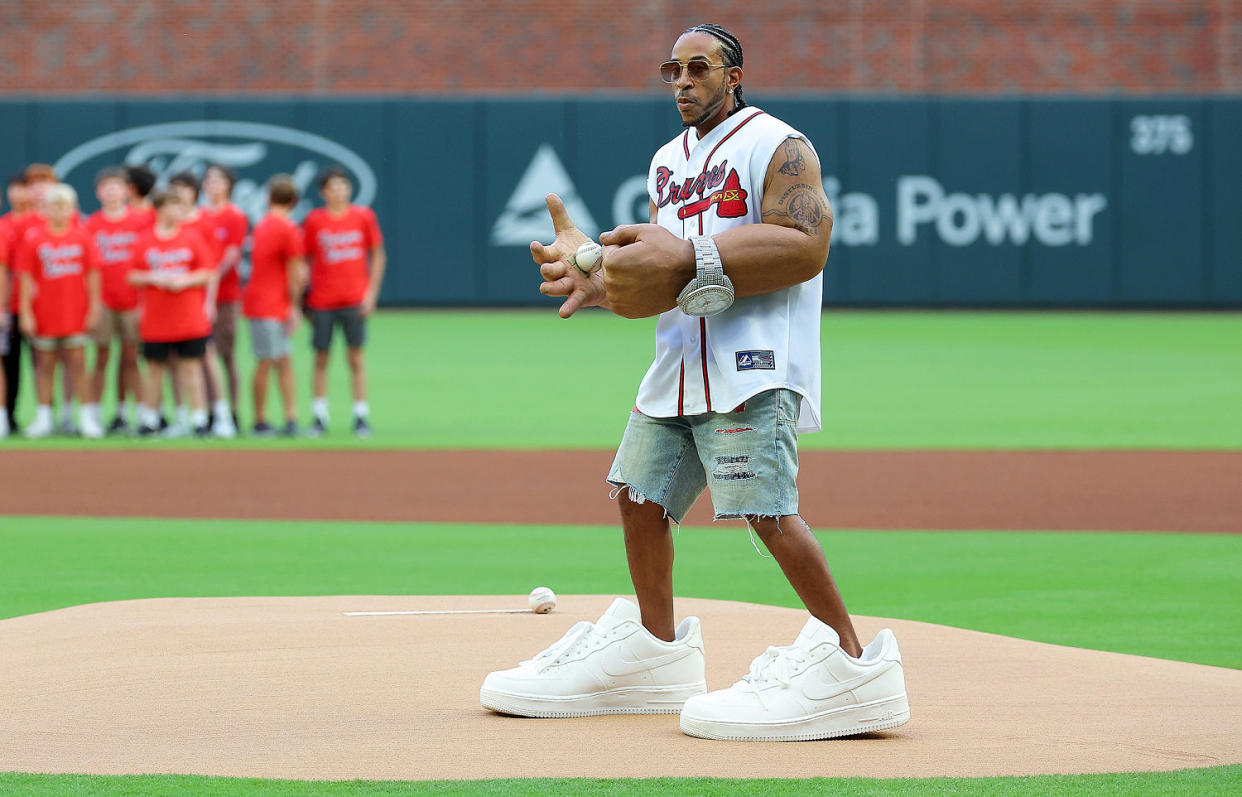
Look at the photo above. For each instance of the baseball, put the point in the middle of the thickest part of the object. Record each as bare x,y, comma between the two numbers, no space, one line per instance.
588,257
542,600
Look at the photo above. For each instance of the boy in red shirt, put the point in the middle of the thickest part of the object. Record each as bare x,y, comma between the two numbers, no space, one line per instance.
231,226
187,186
347,261
141,182
272,298
115,230
172,267
59,302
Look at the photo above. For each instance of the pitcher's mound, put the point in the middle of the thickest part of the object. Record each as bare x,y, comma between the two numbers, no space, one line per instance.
294,688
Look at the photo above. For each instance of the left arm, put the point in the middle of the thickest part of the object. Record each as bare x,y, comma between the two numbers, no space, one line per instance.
379,261
94,293
647,266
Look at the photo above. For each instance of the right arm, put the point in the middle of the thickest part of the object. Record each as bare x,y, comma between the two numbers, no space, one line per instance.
26,312
295,281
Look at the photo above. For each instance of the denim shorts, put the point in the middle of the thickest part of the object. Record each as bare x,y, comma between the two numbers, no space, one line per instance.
748,458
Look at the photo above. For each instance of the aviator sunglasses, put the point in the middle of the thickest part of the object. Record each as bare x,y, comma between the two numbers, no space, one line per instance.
698,69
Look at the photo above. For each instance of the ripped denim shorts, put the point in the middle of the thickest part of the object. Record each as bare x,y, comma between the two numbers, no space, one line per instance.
748,459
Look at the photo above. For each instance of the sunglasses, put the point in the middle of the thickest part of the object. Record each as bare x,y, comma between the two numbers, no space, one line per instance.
670,71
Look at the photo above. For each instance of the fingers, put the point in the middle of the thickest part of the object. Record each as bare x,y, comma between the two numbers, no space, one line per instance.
625,234
560,216
572,304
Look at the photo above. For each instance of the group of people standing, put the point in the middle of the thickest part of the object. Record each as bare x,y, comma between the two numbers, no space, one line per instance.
157,270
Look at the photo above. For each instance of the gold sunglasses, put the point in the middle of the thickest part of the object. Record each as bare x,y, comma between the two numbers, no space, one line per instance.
670,71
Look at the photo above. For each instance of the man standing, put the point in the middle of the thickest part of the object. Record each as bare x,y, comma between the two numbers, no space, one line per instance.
115,229
732,263
347,261
231,226
271,301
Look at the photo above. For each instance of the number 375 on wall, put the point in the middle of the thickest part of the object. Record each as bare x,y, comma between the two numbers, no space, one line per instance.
1169,134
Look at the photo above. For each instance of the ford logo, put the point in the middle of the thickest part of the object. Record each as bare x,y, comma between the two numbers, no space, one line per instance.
254,151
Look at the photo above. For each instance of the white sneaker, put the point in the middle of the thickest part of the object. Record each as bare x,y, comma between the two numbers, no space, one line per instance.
176,430
41,426
611,666
811,689
223,428
91,427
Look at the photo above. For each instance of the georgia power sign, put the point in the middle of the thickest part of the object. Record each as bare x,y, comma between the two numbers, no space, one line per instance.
253,150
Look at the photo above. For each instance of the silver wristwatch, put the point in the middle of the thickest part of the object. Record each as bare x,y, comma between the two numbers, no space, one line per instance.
710,292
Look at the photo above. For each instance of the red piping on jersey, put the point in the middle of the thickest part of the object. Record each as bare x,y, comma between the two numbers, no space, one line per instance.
681,389
742,124
685,143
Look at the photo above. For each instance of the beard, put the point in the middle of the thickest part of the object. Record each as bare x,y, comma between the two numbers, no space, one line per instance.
712,107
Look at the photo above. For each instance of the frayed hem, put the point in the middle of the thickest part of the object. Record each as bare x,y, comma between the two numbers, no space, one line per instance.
635,496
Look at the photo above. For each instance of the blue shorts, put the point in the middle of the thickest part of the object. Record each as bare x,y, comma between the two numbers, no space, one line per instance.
748,458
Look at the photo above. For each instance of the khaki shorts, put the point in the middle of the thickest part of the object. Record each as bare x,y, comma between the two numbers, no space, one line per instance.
52,344
121,324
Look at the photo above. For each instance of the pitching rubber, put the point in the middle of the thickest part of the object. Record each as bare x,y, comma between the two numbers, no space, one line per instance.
631,700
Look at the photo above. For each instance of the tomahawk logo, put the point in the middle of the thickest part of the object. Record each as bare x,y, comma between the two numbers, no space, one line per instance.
256,151
525,217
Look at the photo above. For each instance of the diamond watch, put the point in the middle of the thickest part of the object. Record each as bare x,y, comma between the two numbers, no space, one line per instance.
711,291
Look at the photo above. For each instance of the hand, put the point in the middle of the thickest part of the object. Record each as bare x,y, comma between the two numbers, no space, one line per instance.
647,267
27,324
209,307
294,321
560,277
92,317
368,305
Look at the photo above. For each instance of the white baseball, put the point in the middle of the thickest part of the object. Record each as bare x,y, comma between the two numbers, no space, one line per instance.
588,257
542,600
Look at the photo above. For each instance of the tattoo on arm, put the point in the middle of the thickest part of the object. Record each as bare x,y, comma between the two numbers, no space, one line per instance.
801,204
794,164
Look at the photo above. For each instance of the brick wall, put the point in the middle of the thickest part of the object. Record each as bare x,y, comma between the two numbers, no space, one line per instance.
438,46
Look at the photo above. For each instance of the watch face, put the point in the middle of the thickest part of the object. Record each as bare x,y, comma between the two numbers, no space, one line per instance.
708,301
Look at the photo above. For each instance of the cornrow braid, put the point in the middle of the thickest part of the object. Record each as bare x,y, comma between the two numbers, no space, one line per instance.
730,52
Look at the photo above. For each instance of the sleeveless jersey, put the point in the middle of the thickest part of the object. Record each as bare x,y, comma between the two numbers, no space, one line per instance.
761,342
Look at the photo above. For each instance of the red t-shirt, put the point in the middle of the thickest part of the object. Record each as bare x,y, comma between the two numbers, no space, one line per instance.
115,240
12,227
145,216
275,242
58,263
339,250
171,316
230,226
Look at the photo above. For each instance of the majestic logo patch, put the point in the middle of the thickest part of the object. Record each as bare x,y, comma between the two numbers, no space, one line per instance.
760,360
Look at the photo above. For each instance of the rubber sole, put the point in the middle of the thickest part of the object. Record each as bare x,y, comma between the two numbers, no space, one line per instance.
614,701
849,721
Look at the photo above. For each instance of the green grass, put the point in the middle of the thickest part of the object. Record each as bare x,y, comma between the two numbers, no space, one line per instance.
1169,596
1214,780
892,380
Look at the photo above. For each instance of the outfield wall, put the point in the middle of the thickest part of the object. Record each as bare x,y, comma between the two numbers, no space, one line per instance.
939,201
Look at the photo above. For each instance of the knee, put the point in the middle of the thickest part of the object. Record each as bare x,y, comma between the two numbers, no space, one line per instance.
769,528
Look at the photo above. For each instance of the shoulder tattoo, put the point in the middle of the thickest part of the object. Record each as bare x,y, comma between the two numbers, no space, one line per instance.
794,163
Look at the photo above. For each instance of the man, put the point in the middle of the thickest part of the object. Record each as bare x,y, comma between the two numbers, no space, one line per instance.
272,299
231,226
115,228
172,267
732,263
186,185
10,330
347,262
60,290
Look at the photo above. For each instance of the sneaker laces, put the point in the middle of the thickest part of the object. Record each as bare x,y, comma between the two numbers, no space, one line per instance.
774,665
570,642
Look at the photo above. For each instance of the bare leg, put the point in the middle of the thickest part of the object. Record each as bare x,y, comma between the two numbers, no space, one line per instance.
128,379
801,558
284,372
99,376
259,389
45,376
319,378
75,366
211,373
190,375
358,373
649,551
153,396
69,388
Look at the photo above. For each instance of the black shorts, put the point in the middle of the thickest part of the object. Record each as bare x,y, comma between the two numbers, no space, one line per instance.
351,321
158,351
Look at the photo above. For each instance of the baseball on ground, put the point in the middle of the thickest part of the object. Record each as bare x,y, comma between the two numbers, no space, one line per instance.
542,600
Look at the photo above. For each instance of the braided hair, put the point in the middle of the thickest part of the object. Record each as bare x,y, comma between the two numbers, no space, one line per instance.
730,53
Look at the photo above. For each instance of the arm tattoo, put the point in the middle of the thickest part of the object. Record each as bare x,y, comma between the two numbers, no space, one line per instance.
794,162
801,205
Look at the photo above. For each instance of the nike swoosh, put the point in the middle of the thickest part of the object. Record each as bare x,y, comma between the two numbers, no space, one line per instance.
812,686
623,667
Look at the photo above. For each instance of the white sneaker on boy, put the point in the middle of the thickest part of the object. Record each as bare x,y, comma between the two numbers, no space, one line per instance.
611,666
811,689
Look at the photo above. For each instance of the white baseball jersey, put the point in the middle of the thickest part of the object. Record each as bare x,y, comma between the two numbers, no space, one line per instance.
761,342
